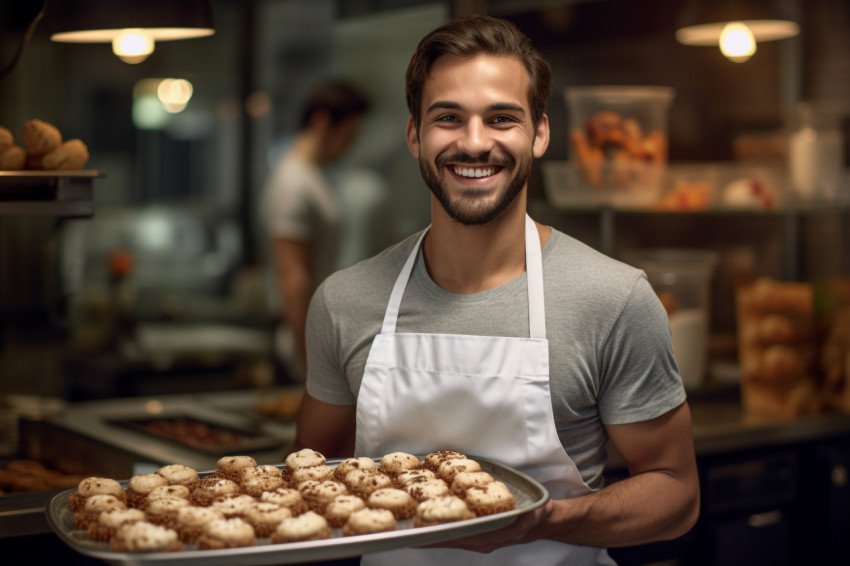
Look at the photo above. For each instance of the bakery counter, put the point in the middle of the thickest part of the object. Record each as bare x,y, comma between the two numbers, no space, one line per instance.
123,437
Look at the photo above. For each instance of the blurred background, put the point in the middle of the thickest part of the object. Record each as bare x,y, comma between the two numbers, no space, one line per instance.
154,282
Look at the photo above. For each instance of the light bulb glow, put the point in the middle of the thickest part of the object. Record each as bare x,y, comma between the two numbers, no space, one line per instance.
174,94
737,42
133,45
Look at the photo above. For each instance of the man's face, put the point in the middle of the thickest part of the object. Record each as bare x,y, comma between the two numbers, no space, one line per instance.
476,142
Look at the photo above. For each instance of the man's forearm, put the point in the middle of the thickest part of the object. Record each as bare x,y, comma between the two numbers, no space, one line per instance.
644,508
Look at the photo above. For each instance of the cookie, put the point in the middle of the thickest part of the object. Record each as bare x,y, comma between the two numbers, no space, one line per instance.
227,533
350,464
265,517
441,510
190,521
338,510
395,463
94,486
304,527
400,503
368,521
145,537
109,521
490,499
178,474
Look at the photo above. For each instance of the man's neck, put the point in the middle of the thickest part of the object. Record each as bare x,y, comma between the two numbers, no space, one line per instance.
470,259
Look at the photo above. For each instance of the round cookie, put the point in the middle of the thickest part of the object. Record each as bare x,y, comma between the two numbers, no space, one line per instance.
350,464
305,458
362,483
410,476
427,489
321,472
286,497
109,521
231,467
434,459
338,510
450,468
163,511
260,471
400,503
190,521
210,487
145,537
395,463
319,494
265,517
94,506
176,491
227,533
139,487
441,510
256,485
233,505
304,527
465,480
94,486
178,474
368,521
490,499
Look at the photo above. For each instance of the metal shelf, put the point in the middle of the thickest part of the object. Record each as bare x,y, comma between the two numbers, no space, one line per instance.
47,193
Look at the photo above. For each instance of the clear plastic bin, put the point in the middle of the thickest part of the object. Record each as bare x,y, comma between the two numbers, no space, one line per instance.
618,141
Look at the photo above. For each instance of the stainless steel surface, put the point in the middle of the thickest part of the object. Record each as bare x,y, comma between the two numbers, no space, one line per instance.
47,193
529,495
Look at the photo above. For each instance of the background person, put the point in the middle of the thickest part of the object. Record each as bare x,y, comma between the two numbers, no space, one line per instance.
302,213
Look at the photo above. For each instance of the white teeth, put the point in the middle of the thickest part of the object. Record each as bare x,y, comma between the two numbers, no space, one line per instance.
472,172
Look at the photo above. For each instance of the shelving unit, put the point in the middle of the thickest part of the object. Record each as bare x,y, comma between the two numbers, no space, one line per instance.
47,193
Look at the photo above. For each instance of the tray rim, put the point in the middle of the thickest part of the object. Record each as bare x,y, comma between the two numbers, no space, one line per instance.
327,549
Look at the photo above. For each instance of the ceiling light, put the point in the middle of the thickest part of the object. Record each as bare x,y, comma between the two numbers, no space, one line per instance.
736,23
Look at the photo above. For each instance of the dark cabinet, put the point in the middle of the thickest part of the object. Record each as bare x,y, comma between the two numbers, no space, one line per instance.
772,506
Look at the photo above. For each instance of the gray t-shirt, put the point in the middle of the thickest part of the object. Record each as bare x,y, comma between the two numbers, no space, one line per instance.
610,353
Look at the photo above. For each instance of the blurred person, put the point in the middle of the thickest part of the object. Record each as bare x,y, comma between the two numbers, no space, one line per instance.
302,212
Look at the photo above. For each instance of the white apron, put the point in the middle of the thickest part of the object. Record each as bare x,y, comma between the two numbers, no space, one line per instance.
481,395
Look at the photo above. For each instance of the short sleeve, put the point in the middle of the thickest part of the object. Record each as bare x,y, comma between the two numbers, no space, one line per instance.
326,380
640,380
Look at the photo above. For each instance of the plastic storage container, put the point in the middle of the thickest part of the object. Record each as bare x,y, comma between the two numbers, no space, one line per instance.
618,141
682,280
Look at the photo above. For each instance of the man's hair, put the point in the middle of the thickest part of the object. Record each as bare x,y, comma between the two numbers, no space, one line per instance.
467,36
338,98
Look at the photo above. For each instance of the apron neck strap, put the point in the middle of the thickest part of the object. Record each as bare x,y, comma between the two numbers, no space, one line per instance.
534,276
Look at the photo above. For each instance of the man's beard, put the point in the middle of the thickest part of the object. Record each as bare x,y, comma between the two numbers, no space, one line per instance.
473,210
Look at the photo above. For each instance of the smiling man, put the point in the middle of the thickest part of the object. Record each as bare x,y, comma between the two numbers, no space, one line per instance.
496,336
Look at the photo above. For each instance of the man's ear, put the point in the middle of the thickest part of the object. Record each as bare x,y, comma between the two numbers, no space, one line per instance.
541,137
412,136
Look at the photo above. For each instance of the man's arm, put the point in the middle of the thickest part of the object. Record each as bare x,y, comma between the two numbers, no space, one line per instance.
325,428
659,501
294,284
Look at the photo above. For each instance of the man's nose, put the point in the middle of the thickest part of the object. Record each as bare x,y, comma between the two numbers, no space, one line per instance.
476,139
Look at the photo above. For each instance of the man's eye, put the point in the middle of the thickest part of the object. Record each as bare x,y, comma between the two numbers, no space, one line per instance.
447,118
503,119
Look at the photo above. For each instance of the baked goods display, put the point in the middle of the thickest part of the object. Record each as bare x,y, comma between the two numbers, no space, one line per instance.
41,148
777,348
170,510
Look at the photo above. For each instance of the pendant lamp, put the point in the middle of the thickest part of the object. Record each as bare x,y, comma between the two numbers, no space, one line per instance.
736,26
131,26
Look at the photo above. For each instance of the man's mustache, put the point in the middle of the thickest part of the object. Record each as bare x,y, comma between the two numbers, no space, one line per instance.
483,159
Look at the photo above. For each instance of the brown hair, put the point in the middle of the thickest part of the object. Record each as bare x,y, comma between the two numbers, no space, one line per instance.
473,35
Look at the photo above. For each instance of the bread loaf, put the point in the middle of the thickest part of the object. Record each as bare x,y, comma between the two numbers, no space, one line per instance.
6,138
12,158
39,137
69,156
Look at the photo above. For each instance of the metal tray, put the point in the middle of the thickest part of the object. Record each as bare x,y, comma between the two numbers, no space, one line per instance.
529,495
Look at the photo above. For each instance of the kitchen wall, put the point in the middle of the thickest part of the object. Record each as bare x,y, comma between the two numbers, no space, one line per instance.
204,167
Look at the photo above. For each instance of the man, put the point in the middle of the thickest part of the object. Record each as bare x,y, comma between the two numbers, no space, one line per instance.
500,337
301,211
